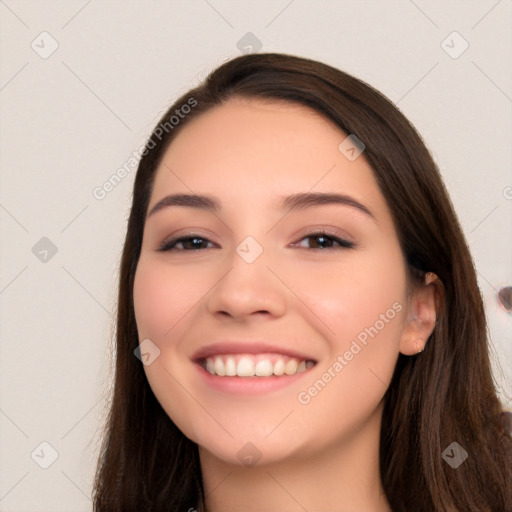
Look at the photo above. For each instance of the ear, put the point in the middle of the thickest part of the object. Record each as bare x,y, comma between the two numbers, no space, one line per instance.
423,304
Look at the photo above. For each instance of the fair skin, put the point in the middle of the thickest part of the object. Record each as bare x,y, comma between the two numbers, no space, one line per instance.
316,449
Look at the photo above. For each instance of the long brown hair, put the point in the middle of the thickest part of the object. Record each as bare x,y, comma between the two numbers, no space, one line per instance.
445,395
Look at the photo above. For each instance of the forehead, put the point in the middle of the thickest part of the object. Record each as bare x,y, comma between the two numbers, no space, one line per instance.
254,150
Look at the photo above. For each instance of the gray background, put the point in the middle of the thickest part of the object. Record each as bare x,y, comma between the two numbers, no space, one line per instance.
71,119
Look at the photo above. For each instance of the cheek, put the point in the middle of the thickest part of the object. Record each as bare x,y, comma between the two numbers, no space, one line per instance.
362,308
162,298
358,292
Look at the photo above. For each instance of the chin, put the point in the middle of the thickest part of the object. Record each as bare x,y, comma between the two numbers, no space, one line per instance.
250,453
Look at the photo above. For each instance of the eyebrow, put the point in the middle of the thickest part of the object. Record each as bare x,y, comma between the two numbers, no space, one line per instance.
300,201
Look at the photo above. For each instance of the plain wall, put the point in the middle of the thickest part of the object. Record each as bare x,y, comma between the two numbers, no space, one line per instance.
71,120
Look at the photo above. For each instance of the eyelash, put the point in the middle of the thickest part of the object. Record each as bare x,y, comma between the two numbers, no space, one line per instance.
169,244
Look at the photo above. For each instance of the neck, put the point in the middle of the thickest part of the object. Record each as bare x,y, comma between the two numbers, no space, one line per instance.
342,477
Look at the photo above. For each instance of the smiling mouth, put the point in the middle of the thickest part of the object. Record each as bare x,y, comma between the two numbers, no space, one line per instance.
255,365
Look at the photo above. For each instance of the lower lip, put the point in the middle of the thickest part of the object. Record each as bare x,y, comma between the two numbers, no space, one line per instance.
249,385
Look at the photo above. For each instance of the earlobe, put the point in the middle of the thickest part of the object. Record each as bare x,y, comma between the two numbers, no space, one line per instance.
419,344
423,308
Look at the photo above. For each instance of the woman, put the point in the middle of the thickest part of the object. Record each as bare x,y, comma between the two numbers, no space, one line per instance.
304,310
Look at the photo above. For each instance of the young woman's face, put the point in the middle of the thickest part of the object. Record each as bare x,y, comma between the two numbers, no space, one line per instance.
257,286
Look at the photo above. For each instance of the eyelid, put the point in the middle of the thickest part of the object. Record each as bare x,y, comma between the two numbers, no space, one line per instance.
175,238
344,242
325,229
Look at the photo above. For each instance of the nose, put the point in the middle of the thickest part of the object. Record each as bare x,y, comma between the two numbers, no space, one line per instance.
246,288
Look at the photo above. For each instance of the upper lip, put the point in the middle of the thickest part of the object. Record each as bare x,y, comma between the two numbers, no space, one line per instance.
246,347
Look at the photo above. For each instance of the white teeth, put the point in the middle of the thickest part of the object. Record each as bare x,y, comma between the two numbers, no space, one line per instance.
279,367
218,365
230,366
259,365
245,367
264,368
291,367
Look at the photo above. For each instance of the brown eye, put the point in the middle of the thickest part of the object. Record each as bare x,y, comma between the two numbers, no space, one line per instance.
190,242
320,239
